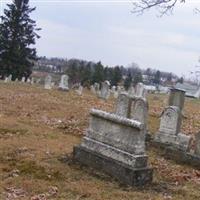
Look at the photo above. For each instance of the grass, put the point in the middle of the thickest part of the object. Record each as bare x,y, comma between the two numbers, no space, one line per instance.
38,129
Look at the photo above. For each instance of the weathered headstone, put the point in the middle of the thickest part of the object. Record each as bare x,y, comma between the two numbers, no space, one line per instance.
47,84
64,83
139,90
23,79
131,91
115,145
176,98
6,80
139,111
169,131
105,91
123,105
79,91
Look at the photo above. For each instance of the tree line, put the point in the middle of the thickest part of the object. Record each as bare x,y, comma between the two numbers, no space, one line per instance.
89,72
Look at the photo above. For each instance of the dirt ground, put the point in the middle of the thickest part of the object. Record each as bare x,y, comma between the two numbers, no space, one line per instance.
38,129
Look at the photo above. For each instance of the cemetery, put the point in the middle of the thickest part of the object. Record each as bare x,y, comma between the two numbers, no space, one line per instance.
105,106
47,142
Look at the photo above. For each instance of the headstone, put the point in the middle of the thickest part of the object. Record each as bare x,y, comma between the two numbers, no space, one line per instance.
115,145
131,91
105,92
23,79
140,90
169,131
79,91
64,82
177,98
32,80
6,80
28,80
10,78
47,84
92,89
123,105
16,80
139,111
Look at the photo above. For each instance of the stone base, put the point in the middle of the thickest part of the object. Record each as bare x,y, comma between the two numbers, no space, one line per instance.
178,155
122,172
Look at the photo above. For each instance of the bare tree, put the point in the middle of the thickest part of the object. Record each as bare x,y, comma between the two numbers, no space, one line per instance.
163,6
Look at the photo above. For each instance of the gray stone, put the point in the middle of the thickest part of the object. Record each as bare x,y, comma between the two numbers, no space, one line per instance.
23,79
105,91
115,145
47,84
183,141
139,111
140,90
177,98
123,105
63,85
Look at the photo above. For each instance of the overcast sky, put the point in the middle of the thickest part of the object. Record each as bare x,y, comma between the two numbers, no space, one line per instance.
109,32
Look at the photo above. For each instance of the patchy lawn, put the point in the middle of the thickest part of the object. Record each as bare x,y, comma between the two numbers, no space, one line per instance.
38,129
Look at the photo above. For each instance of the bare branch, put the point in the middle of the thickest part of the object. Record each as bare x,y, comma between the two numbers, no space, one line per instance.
164,6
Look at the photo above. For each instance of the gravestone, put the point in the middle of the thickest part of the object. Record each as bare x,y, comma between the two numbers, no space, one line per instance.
10,78
105,91
169,131
92,89
140,90
28,80
63,85
123,105
23,79
79,91
115,145
32,80
176,98
47,84
131,91
139,111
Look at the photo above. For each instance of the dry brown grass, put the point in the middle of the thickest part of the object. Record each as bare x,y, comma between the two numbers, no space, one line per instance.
38,129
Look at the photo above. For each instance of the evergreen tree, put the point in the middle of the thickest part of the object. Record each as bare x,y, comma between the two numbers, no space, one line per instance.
157,77
117,76
128,81
17,34
98,75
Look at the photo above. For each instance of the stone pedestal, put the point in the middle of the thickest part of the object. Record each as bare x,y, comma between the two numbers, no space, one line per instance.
115,145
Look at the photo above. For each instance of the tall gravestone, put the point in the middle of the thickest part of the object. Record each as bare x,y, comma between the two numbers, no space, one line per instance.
115,145
176,98
139,111
140,90
63,85
105,90
47,84
123,105
23,79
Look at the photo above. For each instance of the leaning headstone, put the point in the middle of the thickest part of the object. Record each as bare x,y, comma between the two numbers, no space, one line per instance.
139,111
47,84
105,91
123,105
115,145
64,82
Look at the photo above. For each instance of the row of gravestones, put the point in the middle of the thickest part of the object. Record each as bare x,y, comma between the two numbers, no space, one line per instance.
23,80
115,142
63,85
105,90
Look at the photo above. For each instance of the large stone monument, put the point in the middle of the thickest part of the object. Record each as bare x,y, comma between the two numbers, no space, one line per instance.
47,84
63,85
115,145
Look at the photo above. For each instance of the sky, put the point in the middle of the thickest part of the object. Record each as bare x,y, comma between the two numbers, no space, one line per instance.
107,31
